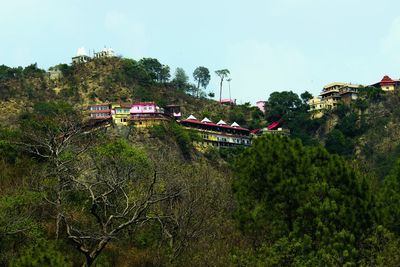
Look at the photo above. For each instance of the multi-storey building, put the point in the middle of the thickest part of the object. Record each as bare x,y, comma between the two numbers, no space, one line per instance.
121,113
146,114
217,134
331,95
100,111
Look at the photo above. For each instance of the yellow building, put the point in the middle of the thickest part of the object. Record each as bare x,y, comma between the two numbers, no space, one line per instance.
121,114
148,120
387,84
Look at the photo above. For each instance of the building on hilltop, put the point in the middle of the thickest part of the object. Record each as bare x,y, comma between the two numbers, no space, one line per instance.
332,95
81,56
106,52
387,84
218,134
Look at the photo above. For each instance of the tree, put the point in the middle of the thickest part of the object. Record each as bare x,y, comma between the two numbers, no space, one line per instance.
117,190
202,76
153,67
222,74
301,205
181,79
306,96
164,74
54,133
389,200
283,105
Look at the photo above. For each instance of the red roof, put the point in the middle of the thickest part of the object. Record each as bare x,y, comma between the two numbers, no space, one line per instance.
100,111
102,104
386,80
273,125
215,125
143,103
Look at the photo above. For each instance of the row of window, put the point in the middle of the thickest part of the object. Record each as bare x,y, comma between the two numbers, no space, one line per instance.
96,115
122,110
230,140
99,108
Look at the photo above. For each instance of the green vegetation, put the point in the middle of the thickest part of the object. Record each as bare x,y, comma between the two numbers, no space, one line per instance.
73,194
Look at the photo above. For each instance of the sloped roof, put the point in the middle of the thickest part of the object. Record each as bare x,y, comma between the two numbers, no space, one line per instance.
206,120
214,125
235,125
387,80
221,122
191,117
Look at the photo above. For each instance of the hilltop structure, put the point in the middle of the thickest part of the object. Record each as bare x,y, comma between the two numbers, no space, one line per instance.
82,57
387,84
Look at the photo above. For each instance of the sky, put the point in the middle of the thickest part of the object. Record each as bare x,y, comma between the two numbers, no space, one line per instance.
268,45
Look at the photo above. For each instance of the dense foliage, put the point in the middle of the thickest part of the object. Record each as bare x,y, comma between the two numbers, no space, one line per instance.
73,192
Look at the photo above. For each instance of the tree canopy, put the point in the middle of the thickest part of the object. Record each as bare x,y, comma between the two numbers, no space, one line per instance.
296,201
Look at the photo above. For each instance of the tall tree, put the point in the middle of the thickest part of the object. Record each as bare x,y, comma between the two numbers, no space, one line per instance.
181,79
222,74
153,67
202,76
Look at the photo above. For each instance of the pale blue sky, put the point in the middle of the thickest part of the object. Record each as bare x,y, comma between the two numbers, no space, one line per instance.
267,45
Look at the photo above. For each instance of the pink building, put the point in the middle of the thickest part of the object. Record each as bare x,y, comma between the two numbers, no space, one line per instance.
144,107
228,101
261,105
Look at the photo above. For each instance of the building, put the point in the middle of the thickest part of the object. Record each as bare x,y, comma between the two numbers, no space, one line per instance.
105,53
218,134
273,128
100,111
173,111
228,101
332,95
121,113
55,74
81,56
387,84
261,105
147,114
141,114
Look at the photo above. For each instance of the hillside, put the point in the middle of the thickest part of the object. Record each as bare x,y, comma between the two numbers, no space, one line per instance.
110,80
75,193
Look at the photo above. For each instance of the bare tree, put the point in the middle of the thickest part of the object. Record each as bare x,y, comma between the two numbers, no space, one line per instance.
54,132
117,192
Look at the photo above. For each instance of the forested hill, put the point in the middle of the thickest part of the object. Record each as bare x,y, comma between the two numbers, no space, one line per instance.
72,194
118,80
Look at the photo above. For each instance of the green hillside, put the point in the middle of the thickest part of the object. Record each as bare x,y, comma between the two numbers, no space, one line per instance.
74,193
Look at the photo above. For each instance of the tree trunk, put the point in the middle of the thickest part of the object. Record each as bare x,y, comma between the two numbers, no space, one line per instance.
220,90
89,261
